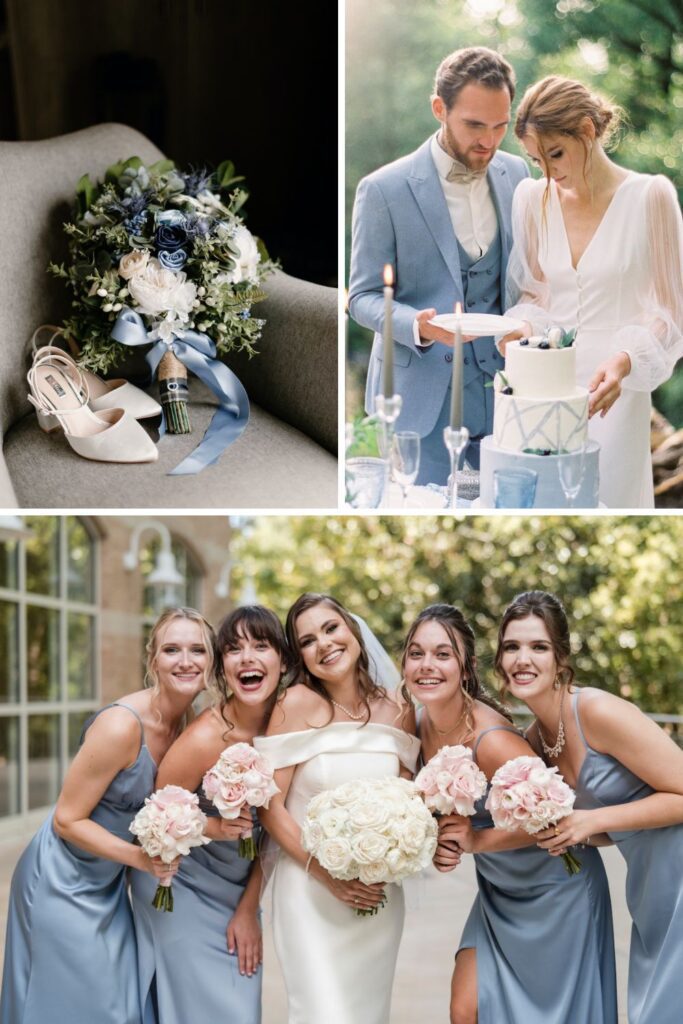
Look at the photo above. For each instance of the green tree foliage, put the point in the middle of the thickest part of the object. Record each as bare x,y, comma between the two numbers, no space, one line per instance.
620,578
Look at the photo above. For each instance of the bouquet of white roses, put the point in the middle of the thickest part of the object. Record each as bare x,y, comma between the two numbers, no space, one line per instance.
451,781
162,255
240,776
376,830
526,794
168,826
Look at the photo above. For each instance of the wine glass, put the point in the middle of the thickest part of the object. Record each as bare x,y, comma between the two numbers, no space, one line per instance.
365,479
405,460
571,468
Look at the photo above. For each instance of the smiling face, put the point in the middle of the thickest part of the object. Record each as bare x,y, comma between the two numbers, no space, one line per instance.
329,649
432,666
528,658
182,657
252,667
562,158
474,126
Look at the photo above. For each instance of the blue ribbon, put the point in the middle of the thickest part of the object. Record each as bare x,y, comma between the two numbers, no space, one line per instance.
198,353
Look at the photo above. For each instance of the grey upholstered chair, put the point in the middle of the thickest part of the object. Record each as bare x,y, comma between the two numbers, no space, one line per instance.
285,458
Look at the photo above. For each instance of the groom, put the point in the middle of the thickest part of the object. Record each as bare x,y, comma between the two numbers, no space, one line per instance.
441,217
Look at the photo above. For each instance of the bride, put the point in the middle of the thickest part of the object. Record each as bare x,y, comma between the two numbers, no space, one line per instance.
335,726
599,248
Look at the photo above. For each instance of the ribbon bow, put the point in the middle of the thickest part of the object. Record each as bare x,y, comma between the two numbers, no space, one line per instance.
462,175
198,353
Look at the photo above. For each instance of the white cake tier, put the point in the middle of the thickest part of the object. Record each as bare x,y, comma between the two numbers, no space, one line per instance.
549,491
540,373
541,424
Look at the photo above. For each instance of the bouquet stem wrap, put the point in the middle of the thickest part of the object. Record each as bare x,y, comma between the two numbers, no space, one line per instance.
197,353
174,390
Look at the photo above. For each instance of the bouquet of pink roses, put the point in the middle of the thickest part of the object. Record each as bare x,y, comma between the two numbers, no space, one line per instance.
526,794
240,776
168,826
451,782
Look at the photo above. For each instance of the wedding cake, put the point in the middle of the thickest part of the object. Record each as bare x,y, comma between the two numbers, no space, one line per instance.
540,418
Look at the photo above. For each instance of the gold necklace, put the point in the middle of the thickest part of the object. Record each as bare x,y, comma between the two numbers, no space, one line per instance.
453,728
346,711
557,749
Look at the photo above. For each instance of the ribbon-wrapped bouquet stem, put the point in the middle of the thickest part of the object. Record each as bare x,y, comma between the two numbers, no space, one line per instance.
162,257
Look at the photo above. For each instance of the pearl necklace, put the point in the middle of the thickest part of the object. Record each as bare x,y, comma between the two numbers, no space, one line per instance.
557,749
356,718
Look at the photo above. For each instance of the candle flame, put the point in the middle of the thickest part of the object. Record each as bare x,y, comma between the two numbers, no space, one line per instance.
388,275
458,309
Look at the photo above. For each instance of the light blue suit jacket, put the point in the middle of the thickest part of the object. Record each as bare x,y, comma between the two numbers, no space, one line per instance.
400,217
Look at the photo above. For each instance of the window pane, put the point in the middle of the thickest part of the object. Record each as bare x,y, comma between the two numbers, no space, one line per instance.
42,555
80,562
9,766
77,720
80,659
9,652
42,653
43,760
9,561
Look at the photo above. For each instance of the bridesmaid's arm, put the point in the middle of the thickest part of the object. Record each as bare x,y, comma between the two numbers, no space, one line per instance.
189,758
618,728
244,933
111,744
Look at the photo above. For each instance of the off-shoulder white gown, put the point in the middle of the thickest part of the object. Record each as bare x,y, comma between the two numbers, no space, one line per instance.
625,294
338,967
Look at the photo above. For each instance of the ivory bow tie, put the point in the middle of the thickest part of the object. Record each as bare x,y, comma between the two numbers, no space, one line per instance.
462,175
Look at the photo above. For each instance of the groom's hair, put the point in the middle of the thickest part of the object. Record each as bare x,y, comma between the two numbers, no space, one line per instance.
475,64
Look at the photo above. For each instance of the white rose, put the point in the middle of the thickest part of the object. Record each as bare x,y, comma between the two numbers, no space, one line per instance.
247,261
368,847
335,856
156,291
368,814
133,263
370,874
412,837
332,821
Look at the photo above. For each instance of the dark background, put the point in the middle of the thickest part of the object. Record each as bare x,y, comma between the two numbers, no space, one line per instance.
206,80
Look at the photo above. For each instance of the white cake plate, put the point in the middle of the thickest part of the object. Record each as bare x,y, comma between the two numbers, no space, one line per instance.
478,325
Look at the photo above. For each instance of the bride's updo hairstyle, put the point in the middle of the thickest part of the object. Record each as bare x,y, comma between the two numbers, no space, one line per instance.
369,690
550,610
461,636
560,106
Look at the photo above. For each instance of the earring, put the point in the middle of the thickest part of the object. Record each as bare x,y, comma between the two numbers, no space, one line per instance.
557,683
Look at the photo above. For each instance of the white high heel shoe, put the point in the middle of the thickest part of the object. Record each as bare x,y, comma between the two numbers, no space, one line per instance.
60,397
102,394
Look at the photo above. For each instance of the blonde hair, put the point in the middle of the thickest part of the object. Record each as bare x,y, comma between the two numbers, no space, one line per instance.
560,106
152,647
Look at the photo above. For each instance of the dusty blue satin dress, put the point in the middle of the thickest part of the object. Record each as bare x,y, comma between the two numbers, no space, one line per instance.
544,939
185,971
70,947
654,889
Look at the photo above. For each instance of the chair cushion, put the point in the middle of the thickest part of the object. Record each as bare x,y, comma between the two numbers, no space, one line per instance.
272,465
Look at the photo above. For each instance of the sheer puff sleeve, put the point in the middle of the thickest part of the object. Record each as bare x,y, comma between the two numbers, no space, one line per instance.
655,343
527,293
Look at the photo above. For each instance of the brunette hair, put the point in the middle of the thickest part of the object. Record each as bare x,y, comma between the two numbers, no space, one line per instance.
155,638
461,635
369,690
259,623
550,610
475,64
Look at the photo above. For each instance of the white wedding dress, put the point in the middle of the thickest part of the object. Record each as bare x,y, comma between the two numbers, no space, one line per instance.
625,294
338,967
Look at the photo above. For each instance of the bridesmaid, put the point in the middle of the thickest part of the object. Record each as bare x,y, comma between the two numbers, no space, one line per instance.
628,778
202,962
70,948
336,725
528,911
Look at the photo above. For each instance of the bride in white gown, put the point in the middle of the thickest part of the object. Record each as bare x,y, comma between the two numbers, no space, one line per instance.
335,726
599,248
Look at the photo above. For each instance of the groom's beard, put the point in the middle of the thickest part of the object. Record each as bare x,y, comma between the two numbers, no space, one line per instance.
471,160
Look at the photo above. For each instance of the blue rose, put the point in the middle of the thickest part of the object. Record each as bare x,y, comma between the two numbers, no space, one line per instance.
170,237
173,217
174,260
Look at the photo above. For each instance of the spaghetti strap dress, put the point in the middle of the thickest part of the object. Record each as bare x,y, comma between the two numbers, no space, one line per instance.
185,971
543,938
70,946
654,888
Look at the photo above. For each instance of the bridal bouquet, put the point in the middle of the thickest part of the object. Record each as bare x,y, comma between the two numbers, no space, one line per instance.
168,826
162,256
451,782
377,830
240,776
526,794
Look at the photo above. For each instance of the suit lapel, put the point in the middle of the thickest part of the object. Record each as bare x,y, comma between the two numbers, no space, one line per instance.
423,181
